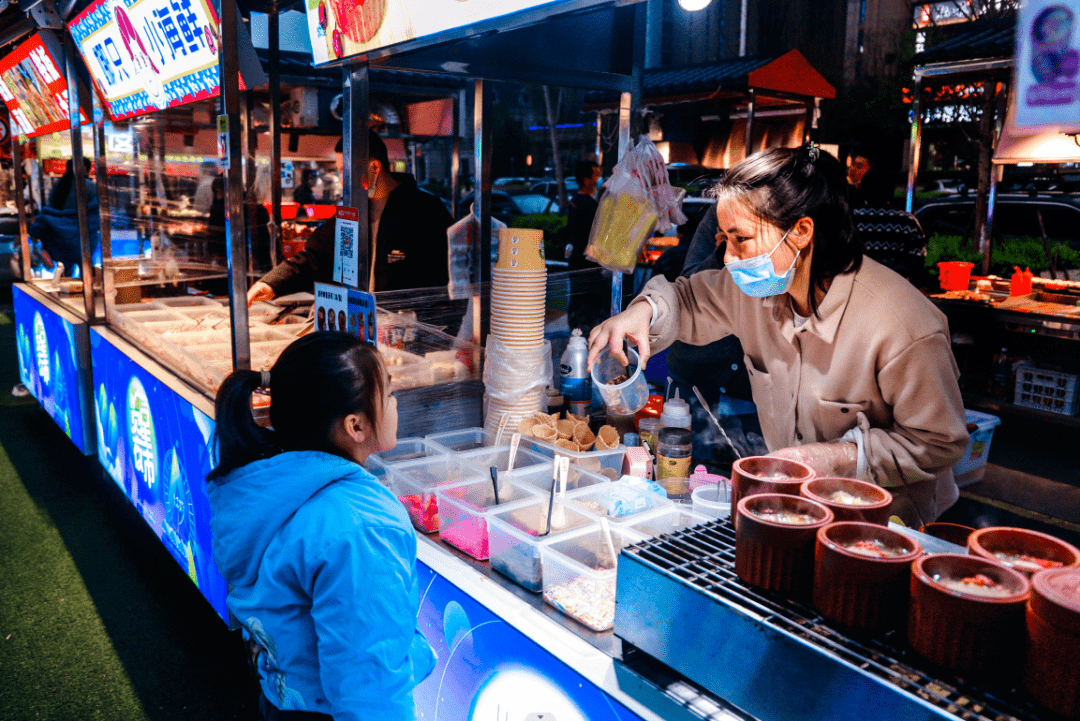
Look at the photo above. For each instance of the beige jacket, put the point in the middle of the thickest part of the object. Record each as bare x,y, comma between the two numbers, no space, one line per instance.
877,357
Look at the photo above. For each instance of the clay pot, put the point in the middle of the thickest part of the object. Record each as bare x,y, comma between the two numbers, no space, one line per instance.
951,532
971,635
875,500
751,475
1052,663
986,542
773,555
858,590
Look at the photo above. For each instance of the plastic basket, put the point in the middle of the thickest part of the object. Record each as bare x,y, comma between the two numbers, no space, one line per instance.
1046,390
971,466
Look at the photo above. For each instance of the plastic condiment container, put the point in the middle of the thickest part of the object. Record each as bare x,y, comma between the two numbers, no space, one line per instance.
649,429
674,448
676,413
712,500
1052,666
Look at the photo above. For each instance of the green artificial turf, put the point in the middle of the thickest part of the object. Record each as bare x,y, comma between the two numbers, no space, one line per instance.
97,621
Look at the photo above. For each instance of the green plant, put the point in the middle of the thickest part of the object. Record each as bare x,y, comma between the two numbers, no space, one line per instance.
551,223
1022,251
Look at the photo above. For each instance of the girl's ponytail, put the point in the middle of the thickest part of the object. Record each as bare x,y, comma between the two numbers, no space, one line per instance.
240,440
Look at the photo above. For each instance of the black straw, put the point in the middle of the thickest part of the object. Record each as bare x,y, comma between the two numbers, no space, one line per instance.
551,504
495,483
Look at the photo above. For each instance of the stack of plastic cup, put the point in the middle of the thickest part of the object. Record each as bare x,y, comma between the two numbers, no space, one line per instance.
518,304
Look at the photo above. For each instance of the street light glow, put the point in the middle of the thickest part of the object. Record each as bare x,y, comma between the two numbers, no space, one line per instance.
694,5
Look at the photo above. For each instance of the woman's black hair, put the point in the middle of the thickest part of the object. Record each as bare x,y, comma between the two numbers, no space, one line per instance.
784,184
316,381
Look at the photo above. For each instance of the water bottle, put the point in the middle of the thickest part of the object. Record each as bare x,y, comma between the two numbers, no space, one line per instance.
576,384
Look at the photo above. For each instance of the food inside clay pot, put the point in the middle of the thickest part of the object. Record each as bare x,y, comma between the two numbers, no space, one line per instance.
791,518
978,585
774,476
874,549
1025,562
848,499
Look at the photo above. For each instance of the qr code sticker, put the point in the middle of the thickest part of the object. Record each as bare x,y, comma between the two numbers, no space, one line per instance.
348,240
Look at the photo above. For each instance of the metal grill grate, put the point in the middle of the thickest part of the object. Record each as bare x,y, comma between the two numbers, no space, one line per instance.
704,557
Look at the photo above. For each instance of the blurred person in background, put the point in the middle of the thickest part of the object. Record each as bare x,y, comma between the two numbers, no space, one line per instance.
57,224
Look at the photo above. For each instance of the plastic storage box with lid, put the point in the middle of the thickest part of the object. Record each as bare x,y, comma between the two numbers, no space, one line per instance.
580,573
466,439
972,465
617,501
1046,390
515,534
576,478
410,449
500,458
415,483
464,509
608,463
665,519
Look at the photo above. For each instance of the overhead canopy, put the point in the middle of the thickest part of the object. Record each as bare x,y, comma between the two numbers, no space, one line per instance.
1048,145
787,76
986,39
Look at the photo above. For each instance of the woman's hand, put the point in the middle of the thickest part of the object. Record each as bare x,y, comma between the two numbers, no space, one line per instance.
259,291
838,458
632,323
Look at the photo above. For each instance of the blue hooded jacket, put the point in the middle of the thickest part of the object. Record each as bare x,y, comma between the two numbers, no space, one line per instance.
321,562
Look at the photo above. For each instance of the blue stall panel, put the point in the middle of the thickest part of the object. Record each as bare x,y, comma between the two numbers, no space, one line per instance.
50,345
157,447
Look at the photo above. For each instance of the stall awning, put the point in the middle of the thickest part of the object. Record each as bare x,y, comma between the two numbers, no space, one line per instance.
787,75
991,38
1048,145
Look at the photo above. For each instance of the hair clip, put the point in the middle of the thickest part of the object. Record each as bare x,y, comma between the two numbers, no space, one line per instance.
813,151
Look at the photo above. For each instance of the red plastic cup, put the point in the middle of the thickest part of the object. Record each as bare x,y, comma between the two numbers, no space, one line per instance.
955,274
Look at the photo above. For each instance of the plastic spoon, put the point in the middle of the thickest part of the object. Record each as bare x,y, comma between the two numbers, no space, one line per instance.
716,422
564,469
515,440
502,427
607,539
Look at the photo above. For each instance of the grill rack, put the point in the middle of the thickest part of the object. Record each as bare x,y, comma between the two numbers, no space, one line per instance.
704,558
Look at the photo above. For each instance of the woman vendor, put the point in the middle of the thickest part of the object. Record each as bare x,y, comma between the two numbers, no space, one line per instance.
850,366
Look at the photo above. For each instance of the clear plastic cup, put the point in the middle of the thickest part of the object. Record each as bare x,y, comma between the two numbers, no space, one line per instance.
624,398
712,500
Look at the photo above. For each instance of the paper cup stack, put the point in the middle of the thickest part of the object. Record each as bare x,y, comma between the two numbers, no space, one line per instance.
518,303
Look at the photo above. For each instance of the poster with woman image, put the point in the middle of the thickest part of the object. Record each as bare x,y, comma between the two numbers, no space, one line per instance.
1048,65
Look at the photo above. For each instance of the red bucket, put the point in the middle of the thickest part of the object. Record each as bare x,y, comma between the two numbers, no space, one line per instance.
955,275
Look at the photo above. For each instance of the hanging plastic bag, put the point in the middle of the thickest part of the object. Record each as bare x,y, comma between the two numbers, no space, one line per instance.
462,244
637,201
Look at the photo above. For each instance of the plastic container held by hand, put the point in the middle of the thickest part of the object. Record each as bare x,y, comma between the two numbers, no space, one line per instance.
623,388
576,383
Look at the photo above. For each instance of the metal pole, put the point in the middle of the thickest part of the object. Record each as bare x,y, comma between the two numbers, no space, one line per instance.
20,205
355,93
987,244
748,141
101,171
482,204
742,29
277,249
251,141
624,124
599,139
455,154
916,143
75,118
235,237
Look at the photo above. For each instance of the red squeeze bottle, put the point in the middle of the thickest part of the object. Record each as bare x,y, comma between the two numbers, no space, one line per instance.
1021,282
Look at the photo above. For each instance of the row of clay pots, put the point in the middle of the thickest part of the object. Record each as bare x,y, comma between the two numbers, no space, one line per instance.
973,636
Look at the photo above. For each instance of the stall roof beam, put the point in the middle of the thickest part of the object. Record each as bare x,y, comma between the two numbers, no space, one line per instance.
986,67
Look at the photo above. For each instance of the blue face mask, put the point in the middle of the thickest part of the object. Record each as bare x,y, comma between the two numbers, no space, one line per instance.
758,278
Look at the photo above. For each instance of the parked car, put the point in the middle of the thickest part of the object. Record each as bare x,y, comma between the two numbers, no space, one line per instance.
1015,215
695,178
505,206
550,188
945,186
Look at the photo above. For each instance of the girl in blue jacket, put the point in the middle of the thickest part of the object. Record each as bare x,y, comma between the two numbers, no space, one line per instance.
320,558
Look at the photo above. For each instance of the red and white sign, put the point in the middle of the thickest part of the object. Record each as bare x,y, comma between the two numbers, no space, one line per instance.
346,259
33,87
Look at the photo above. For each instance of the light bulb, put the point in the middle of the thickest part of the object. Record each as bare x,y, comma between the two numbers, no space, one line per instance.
694,5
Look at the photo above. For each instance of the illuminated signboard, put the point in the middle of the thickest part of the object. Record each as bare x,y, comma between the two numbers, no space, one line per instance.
340,28
33,87
147,55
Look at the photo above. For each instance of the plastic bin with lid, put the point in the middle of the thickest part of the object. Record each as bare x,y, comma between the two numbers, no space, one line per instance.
608,463
515,534
464,509
188,301
617,501
579,573
576,478
663,520
500,458
466,439
409,449
415,483
972,465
